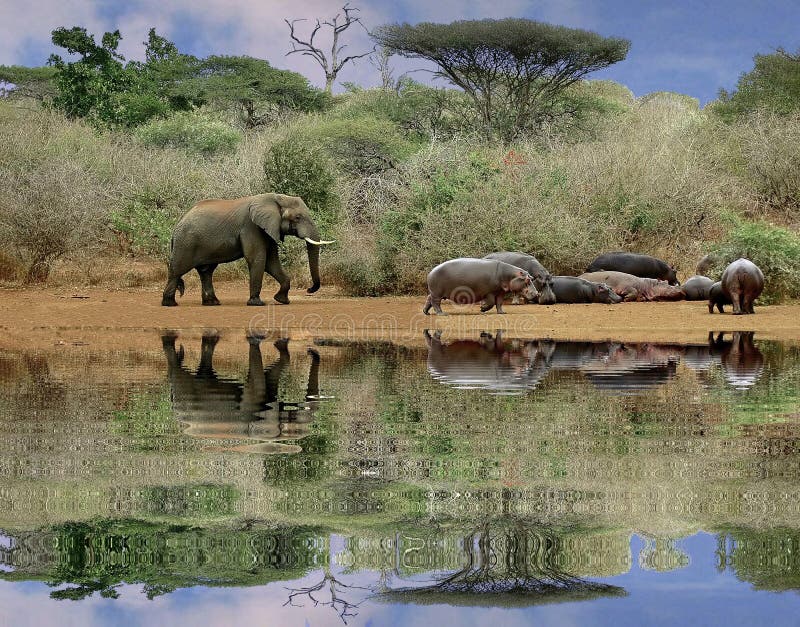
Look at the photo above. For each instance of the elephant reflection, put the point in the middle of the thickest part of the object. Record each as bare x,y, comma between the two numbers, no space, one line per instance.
215,407
741,361
488,363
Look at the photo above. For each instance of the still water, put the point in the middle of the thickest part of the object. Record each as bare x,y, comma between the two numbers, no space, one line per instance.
466,481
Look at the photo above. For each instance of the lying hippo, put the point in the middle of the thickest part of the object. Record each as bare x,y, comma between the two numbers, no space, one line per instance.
635,264
697,287
572,289
742,282
468,280
542,279
632,287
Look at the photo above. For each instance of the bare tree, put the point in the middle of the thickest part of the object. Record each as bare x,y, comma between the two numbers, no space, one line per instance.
331,587
334,64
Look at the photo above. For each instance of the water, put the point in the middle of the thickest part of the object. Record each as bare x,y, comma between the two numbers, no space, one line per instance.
459,481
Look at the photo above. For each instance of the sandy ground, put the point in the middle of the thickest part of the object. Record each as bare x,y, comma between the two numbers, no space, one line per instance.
42,317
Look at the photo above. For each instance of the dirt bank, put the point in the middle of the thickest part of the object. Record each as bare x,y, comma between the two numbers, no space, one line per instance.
44,316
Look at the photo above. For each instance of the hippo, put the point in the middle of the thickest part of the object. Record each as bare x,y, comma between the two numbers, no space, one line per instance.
697,287
742,282
571,289
717,297
632,287
635,264
466,280
542,279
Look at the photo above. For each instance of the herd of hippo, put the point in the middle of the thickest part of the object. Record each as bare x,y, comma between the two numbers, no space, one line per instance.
611,278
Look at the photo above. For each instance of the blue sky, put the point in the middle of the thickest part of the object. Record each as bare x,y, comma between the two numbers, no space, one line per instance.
691,47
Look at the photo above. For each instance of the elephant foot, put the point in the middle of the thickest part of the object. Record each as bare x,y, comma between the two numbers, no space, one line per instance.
211,302
283,299
255,302
169,302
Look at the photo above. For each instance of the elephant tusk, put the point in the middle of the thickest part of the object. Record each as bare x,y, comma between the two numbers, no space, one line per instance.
311,241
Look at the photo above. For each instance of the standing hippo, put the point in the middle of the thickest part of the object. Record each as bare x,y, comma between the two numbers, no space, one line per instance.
466,280
635,264
718,298
697,287
571,289
742,282
632,287
542,279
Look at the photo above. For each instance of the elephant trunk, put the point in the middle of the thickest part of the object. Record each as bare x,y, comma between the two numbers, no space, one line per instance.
313,266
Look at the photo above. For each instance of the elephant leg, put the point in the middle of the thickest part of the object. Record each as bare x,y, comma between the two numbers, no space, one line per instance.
276,271
206,273
255,253
174,283
206,367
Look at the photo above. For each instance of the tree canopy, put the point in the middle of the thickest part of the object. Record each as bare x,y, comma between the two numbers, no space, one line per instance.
773,84
514,70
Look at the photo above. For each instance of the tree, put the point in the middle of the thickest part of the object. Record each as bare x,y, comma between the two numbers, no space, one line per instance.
27,82
772,84
513,70
331,66
249,84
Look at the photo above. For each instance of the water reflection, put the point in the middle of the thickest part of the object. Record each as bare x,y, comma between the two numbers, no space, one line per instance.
215,407
514,366
485,471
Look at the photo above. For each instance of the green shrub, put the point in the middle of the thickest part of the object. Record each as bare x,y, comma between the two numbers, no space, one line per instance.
195,132
359,146
147,219
773,249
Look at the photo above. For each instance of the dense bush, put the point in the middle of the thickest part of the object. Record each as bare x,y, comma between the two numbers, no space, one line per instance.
773,249
196,132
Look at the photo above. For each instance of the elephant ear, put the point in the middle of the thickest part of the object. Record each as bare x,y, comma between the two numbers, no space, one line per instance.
265,212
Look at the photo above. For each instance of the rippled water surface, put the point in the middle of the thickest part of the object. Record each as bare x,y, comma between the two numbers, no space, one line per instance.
470,481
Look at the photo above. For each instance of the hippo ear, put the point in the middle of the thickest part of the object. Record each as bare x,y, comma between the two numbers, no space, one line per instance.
265,212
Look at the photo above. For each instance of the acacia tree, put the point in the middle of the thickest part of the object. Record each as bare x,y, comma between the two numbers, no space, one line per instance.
514,70
772,84
331,66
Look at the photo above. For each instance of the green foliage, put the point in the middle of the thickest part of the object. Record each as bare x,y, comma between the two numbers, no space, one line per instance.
513,69
28,82
298,169
146,219
192,131
361,145
253,87
773,84
774,249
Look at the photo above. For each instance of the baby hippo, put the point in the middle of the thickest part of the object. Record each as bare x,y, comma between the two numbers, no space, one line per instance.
465,281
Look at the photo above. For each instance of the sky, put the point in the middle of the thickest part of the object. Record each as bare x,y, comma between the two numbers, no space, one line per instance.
694,47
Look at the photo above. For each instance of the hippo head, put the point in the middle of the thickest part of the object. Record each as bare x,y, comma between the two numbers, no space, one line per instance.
523,284
672,276
604,294
546,294
664,291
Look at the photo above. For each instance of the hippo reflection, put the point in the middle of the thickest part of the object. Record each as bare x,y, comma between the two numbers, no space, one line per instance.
514,366
489,363
215,407
741,361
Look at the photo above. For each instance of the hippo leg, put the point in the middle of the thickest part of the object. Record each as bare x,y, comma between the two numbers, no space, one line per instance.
489,302
436,301
736,298
749,307
499,300
428,305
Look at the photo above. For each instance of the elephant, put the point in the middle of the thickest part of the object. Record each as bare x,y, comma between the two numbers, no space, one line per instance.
218,231
213,407
467,280
635,264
